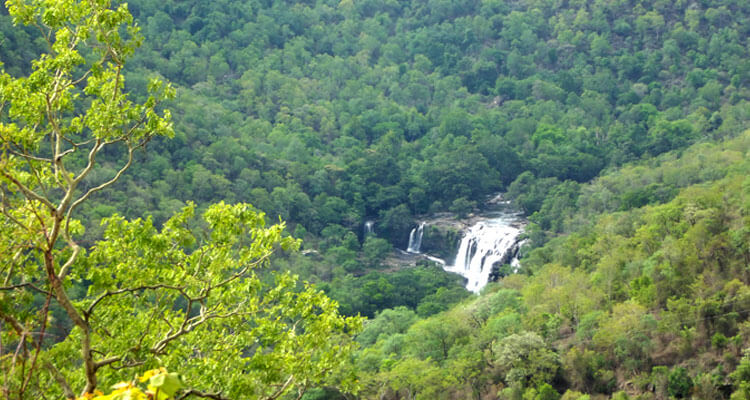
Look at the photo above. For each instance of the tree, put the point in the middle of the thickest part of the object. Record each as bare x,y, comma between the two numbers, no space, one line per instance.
679,383
375,249
420,379
192,300
741,377
387,322
434,337
525,359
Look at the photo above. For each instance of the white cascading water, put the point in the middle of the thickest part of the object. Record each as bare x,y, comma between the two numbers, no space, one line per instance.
415,239
368,228
487,242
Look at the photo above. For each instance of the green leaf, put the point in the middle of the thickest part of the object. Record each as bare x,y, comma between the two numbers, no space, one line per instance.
165,384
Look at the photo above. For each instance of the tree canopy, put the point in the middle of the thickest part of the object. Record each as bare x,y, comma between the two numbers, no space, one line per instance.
191,296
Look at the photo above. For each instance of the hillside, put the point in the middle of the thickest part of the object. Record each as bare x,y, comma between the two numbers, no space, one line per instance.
619,127
330,113
646,303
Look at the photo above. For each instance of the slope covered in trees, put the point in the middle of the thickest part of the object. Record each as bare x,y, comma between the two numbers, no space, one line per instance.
193,295
332,113
652,302
327,113
616,125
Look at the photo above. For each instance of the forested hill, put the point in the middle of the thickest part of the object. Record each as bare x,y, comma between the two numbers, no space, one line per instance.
620,127
327,113
649,303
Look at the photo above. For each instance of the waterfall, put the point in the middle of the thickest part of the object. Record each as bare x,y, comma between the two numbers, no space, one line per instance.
485,244
368,229
415,239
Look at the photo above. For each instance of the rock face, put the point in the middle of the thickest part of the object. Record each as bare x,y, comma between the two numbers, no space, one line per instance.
441,240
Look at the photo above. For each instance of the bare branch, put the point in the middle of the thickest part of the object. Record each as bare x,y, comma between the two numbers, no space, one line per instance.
60,379
117,81
71,142
205,395
46,35
85,142
303,388
38,178
73,256
45,313
190,325
11,267
65,153
129,365
282,389
23,285
100,187
243,271
4,210
57,134
106,294
62,298
81,79
20,330
91,161
29,156
107,361
30,194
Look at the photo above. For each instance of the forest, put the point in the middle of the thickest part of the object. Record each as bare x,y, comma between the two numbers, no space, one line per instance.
185,186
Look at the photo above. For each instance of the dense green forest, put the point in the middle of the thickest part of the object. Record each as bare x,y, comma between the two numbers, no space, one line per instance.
330,114
649,302
617,126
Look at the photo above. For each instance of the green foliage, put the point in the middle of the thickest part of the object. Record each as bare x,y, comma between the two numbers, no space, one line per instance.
327,114
375,291
387,322
524,359
441,300
741,377
190,295
547,392
718,341
461,207
375,249
280,329
679,383
433,338
651,297
324,114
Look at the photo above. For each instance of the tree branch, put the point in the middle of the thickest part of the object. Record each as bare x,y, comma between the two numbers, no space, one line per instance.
87,313
107,361
98,188
60,379
76,249
243,271
29,156
282,389
23,285
190,325
205,395
45,313
90,163
4,209
62,298
129,365
32,195
20,330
